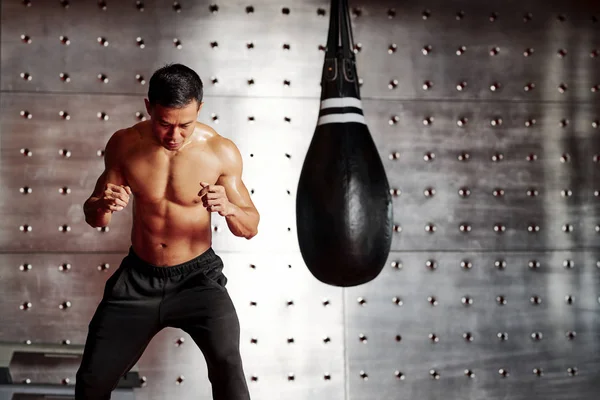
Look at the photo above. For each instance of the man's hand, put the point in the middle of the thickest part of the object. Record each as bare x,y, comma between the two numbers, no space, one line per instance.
115,198
215,199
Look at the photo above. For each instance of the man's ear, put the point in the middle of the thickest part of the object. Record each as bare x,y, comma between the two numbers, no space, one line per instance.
148,107
200,107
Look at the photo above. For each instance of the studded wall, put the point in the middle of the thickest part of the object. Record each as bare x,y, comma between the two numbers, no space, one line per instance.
487,118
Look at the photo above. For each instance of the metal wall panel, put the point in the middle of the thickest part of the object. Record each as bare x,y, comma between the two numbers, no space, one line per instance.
444,117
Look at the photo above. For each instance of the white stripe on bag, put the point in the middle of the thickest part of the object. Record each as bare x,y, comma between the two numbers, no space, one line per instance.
337,118
341,102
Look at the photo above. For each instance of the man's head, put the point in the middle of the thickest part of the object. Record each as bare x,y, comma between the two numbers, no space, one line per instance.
174,102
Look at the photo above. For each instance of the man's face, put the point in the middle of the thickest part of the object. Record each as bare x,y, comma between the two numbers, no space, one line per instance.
172,126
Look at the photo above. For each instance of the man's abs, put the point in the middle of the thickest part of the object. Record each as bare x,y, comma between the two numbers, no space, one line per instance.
169,233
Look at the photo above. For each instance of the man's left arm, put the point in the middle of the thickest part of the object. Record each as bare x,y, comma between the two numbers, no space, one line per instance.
229,196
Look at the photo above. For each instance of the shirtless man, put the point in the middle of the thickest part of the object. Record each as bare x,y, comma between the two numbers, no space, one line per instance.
177,171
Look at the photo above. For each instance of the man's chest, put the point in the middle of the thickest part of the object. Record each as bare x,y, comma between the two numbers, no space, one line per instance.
154,178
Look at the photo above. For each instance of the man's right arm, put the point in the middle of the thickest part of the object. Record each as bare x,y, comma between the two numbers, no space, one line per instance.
105,199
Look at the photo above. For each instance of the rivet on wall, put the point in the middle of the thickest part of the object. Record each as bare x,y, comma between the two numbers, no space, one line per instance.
64,77
65,305
139,5
64,153
25,190
102,41
464,192
498,192
26,306
64,115
533,228
430,228
397,265
25,228
27,39
434,374
531,157
26,76
25,267
467,301
399,375
503,372
431,265
500,265
65,267
468,337
469,373
495,86
65,3
562,88
64,40
27,3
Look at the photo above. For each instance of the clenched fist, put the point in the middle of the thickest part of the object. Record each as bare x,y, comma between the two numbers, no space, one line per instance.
115,198
215,199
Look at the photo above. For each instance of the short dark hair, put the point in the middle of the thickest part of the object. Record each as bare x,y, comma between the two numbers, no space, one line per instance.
175,85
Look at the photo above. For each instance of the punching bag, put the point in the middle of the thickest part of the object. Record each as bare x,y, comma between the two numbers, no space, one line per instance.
343,202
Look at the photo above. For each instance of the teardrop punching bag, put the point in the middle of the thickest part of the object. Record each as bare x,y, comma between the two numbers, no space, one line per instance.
343,202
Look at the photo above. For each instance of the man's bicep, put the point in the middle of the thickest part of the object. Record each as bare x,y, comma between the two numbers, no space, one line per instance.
231,176
112,173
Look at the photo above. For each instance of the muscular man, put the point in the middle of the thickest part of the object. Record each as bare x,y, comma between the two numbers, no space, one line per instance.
176,172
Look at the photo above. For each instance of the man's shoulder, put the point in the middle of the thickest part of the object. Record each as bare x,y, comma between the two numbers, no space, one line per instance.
224,148
217,142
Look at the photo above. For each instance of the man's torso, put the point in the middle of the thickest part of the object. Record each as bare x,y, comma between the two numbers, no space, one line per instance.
170,224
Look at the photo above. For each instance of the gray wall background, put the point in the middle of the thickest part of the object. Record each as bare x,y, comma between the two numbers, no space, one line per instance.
492,290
